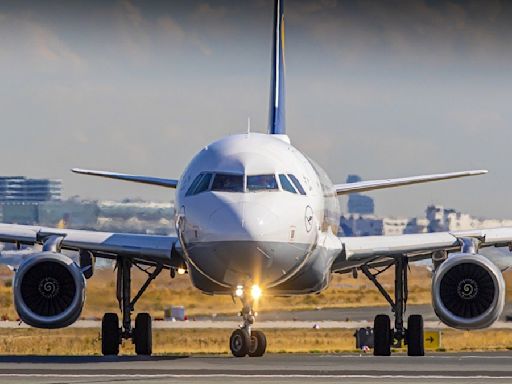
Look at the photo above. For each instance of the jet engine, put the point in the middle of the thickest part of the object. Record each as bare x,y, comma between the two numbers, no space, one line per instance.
49,291
468,291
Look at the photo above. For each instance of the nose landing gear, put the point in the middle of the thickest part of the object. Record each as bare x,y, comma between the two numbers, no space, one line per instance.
245,341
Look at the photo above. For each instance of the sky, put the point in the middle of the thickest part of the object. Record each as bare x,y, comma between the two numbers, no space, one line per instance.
378,88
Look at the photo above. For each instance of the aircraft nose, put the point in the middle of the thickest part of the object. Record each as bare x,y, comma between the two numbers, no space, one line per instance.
244,222
243,240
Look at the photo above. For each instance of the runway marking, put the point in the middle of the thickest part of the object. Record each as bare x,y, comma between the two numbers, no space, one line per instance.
509,356
262,376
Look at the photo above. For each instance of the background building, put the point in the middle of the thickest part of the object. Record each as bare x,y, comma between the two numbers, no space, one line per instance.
357,203
19,189
437,219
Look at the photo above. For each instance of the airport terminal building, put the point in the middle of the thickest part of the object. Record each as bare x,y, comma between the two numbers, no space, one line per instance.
20,197
19,189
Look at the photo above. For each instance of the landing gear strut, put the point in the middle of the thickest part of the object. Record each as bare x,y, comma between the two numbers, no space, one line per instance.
384,336
245,341
141,335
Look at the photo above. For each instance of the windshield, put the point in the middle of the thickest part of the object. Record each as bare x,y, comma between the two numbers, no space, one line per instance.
200,184
225,182
297,184
285,184
228,183
261,183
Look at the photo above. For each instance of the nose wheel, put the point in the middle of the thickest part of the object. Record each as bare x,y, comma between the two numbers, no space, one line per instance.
245,341
240,342
258,344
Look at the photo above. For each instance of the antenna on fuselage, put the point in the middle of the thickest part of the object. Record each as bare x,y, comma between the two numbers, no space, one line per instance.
248,125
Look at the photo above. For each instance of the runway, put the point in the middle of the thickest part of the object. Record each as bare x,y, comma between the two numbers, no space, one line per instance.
438,368
340,318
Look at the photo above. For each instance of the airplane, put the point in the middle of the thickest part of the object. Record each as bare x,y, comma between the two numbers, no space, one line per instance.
255,215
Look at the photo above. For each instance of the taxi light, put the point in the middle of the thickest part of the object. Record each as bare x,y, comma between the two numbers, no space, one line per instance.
239,291
181,271
255,292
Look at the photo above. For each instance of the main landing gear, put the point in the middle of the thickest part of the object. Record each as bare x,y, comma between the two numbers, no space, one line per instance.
245,341
384,336
141,335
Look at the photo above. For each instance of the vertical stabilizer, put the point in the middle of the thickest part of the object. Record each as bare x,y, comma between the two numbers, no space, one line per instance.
277,124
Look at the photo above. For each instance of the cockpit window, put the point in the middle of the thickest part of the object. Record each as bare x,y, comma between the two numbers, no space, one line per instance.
297,184
200,184
286,185
224,182
204,184
228,183
261,183
194,184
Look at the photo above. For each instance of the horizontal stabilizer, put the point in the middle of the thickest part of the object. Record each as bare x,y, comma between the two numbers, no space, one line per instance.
167,183
363,186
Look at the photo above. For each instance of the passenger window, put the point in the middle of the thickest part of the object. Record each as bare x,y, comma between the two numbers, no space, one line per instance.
228,183
285,184
261,183
297,184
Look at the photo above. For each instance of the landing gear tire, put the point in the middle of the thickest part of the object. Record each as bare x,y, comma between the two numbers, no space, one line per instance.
258,344
415,341
142,335
239,343
382,336
110,334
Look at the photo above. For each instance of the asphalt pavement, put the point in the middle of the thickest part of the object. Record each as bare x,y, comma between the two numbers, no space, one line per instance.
292,368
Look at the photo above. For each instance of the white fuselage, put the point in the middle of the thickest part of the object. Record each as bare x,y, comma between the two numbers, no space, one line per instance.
252,209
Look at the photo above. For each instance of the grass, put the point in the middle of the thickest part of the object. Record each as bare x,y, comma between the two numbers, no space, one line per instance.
344,291
77,341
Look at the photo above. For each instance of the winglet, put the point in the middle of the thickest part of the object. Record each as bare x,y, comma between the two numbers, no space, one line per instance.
167,183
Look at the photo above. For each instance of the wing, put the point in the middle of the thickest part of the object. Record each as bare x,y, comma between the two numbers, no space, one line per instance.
362,186
167,183
357,251
147,249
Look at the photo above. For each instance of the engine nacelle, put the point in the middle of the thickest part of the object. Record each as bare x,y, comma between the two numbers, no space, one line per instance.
49,291
468,291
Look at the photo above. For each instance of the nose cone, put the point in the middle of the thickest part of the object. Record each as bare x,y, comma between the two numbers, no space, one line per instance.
245,241
243,222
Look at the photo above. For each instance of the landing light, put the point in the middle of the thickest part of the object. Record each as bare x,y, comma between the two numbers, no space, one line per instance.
181,271
239,291
255,292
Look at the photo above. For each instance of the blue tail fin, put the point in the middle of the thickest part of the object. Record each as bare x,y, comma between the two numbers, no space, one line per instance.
277,124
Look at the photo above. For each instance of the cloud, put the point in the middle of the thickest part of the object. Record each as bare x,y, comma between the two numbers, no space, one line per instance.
132,29
211,12
171,28
50,48
131,13
37,43
412,32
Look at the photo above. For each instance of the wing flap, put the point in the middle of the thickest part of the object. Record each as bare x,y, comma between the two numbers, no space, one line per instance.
167,183
363,186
